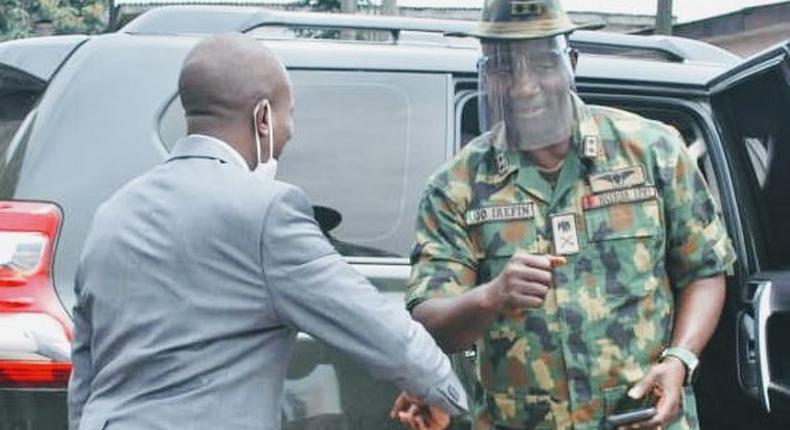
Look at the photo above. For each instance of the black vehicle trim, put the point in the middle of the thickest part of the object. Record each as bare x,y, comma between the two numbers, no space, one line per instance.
754,65
631,87
65,60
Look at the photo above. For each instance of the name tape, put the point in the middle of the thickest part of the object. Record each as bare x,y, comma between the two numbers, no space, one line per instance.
610,198
500,213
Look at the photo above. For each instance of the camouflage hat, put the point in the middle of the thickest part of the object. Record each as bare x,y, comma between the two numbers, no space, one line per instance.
523,19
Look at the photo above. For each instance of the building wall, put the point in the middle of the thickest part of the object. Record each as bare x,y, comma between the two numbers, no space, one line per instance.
744,32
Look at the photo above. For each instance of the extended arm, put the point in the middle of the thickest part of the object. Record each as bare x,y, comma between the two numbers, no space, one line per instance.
698,310
314,290
443,294
457,322
698,253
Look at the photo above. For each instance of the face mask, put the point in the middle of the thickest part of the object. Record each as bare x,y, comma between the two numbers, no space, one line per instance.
267,170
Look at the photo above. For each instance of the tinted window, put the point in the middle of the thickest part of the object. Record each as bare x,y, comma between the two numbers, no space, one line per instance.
756,114
18,95
363,148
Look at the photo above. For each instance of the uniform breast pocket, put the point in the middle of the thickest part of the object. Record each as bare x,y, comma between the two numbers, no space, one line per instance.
627,240
498,240
624,221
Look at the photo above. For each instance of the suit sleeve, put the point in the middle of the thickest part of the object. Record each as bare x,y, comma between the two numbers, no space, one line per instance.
82,368
316,291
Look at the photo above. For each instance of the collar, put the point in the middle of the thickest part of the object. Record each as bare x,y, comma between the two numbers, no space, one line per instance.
586,135
202,146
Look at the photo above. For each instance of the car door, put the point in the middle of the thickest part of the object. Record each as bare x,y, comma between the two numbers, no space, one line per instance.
364,146
751,106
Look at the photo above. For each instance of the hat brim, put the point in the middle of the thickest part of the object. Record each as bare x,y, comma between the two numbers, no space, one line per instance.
487,35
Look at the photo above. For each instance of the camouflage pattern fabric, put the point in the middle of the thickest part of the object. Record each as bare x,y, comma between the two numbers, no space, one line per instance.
646,226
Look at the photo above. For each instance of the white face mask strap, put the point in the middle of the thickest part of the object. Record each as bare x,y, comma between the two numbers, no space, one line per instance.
255,128
271,131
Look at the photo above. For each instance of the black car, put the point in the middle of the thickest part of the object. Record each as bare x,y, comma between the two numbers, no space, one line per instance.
380,104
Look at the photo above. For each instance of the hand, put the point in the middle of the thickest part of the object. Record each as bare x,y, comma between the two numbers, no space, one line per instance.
665,380
523,283
418,415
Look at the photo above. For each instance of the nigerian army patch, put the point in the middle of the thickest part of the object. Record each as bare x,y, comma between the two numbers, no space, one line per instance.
566,238
500,213
618,179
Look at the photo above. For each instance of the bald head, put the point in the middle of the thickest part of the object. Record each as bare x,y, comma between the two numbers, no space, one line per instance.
224,76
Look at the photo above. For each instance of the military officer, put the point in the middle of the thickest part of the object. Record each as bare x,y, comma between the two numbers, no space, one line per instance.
577,247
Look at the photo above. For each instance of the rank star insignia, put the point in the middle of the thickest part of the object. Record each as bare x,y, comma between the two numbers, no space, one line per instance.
501,163
591,145
526,8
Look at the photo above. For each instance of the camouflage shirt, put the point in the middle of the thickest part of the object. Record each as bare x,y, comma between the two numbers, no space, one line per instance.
644,226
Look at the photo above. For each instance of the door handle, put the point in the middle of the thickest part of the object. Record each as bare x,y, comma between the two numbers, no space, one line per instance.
762,306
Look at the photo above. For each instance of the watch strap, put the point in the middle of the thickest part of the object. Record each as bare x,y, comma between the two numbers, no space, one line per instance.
688,358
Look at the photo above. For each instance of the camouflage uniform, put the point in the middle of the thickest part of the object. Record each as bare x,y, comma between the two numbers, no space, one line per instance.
647,227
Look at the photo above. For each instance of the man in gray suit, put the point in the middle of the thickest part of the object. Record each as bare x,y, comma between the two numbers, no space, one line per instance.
196,276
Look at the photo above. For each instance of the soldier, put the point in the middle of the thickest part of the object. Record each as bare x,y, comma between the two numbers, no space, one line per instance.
577,247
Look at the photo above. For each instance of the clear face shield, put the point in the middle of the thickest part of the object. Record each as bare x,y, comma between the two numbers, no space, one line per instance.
526,86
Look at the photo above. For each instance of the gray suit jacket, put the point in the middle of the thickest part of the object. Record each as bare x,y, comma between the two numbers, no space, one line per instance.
193,282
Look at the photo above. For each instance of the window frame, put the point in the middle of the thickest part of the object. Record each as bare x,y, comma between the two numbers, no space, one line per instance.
165,134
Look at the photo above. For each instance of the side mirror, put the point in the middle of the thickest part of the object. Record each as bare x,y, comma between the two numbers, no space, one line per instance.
328,219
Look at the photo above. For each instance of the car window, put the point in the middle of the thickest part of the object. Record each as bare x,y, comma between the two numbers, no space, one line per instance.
756,115
19,93
363,148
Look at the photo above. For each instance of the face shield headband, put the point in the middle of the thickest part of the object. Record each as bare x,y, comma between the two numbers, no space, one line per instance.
525,91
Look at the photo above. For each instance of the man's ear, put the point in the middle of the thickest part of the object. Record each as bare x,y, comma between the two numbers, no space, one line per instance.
263,116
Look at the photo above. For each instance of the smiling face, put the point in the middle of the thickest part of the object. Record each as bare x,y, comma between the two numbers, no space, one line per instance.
528,85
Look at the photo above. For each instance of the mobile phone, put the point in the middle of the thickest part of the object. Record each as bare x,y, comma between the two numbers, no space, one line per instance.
630,417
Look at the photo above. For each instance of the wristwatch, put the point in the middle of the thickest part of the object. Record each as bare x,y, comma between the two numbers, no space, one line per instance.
688,358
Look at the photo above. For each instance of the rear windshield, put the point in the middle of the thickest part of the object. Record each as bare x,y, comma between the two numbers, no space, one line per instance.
19,93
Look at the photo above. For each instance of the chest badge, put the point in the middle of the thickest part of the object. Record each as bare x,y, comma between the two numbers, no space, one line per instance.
618,179
566,237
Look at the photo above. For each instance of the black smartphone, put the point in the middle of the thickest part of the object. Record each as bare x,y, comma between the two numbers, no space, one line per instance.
630,417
